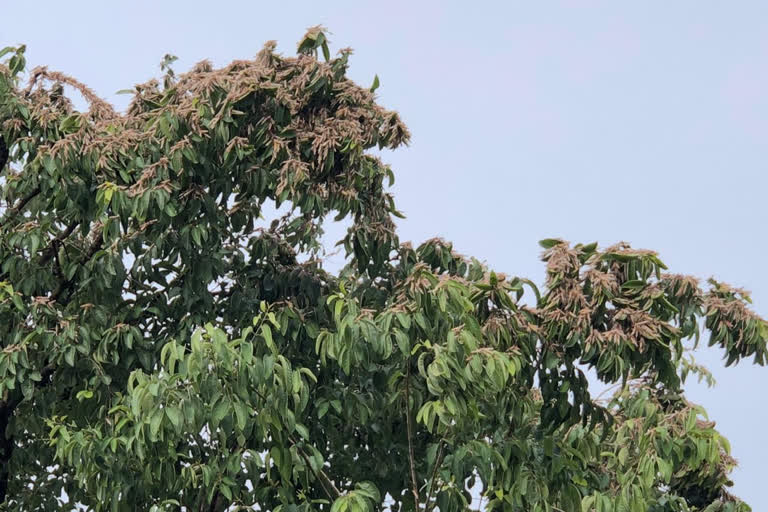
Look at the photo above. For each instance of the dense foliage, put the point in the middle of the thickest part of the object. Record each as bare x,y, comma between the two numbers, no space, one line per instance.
170,342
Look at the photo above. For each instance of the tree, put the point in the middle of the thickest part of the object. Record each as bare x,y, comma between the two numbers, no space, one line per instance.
169,342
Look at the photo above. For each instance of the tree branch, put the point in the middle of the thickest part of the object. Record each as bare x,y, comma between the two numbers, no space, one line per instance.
56,242
7,443
409,431
20,205
3,153
64,285
438,462
214,506
330,489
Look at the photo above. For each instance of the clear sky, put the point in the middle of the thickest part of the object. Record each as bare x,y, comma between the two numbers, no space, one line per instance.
607,121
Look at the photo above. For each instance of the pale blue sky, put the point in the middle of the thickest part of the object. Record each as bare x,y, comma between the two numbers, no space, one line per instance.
637,121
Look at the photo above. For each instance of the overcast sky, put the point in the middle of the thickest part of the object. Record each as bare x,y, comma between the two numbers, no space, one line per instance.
592,121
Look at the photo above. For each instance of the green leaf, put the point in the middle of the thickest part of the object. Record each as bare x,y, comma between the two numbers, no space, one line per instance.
84,395
154,423
174,414
7,50
241,412
302,430
549,243
369,490
266,332
375,84
220,411
623,453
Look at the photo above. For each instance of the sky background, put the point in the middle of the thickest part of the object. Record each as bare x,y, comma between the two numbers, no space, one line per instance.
592,121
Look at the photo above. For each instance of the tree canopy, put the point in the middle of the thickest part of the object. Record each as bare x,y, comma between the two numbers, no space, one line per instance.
171,339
